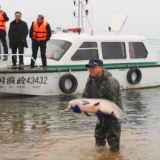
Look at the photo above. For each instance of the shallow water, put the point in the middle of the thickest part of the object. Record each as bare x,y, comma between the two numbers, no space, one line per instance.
33,128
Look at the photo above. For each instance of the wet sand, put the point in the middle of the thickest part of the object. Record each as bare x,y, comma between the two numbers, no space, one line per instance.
33,128
71,146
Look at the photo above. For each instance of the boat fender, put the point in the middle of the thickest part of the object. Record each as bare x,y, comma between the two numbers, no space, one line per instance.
63,80
138,78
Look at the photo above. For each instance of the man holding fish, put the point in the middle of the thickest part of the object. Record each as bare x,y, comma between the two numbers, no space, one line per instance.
101,85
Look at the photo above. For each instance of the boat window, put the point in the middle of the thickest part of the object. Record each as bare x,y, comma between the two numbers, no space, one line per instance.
89,45
113,50
87,51
85,54
137,50
57,48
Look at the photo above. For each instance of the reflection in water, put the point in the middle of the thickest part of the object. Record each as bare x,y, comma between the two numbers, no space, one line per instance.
134,100
134,103
33,128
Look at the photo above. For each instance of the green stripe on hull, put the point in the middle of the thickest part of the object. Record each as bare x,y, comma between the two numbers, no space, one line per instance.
105,65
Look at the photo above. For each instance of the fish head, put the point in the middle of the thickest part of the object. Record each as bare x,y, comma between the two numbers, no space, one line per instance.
73,103
78,102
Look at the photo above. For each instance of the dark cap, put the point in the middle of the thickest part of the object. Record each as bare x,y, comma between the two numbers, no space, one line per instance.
95,62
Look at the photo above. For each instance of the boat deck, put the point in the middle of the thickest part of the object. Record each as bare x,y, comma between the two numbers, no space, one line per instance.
70,68
36,69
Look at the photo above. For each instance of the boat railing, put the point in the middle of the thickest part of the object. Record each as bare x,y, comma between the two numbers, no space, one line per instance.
10,54
155,46
155,50
120,33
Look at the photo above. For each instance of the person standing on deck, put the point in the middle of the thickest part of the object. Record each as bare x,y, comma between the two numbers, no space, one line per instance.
101,84
3,19
18,32
40,33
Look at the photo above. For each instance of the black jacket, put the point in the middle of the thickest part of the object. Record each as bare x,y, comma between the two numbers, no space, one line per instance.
18,32
48,32
3,32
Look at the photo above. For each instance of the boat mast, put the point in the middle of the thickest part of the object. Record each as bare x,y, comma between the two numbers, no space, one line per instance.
79,7
82,15
80,12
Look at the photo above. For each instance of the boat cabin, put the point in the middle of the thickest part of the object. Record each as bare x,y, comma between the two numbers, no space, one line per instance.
112,48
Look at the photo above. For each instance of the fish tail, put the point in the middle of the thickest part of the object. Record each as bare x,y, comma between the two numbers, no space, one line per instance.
130,117
122,119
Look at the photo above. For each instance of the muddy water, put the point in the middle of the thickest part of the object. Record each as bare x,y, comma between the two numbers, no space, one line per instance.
32,128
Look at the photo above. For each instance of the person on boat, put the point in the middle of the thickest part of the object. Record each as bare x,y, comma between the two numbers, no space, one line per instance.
101,84
3,19
18,32
40,33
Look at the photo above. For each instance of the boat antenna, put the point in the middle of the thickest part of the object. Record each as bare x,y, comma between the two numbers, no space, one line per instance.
92,19
74,12
88,20
80,16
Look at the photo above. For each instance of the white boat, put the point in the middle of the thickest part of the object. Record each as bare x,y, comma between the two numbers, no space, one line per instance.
127,56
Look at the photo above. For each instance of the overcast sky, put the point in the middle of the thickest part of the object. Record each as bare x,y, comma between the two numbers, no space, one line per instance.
143,15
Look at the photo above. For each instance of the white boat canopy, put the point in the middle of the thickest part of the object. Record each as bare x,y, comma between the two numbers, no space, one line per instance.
117,22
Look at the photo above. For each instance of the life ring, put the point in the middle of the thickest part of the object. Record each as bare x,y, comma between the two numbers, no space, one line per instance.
63,80
138,78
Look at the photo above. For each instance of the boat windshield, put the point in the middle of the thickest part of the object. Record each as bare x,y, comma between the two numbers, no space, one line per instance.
57,48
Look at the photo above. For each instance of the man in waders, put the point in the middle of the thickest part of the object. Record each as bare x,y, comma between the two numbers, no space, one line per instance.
101,84
3,20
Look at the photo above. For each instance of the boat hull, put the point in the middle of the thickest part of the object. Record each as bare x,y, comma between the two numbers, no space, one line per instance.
37,82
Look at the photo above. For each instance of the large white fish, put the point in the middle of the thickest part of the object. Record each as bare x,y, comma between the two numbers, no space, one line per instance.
92,105
105,106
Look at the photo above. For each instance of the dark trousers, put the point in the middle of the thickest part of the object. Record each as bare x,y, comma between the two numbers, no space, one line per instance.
4,43
35,46
108,129
17,45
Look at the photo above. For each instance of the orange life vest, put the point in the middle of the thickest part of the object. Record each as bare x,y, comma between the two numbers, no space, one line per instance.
2,22
40,32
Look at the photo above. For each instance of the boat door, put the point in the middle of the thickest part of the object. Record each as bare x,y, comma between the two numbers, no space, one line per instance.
117,22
